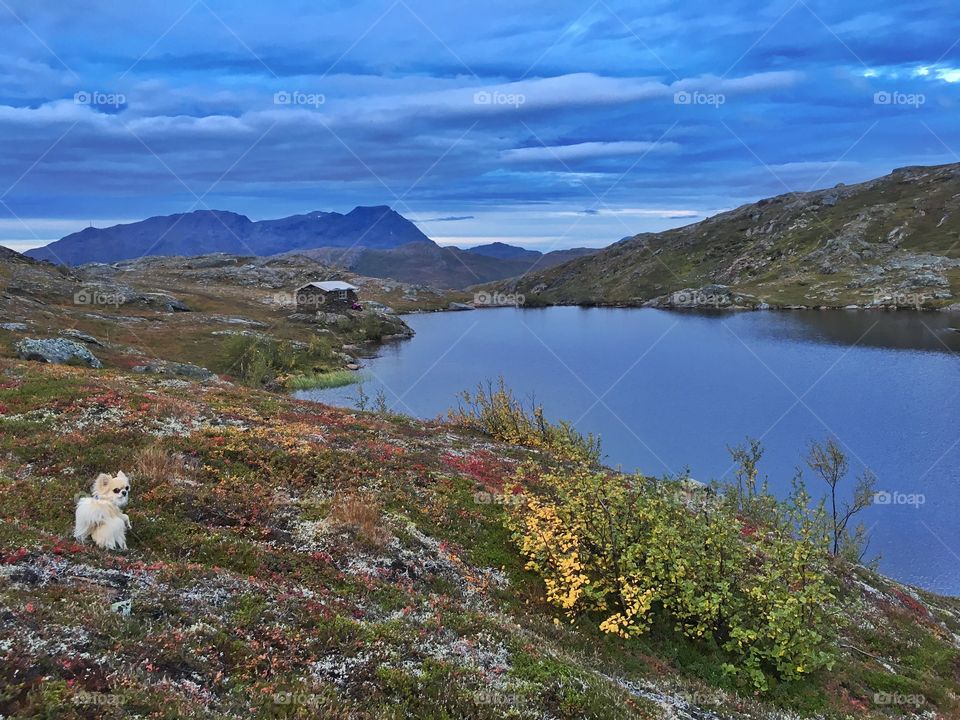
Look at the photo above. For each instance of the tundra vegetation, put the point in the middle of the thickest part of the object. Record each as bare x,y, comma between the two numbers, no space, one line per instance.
289,559
733,566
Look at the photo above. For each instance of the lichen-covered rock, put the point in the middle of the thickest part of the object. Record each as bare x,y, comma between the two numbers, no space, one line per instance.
378,307
81,337
57,351
707,297
163,367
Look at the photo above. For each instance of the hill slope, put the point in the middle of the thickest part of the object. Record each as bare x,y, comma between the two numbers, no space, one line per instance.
289,559
442,267
890,241
190,310
211,231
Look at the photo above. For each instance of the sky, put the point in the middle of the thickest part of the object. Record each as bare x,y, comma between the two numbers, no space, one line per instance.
543,124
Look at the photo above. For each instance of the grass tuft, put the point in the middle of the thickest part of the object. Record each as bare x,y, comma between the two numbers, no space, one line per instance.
360,514
156,464
335,379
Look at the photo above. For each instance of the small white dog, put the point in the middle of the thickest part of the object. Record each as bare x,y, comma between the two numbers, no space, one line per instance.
99,517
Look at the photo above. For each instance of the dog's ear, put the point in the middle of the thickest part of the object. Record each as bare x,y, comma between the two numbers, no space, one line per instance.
102,481
122,476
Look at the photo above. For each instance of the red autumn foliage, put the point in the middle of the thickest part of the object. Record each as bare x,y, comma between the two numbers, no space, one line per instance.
483,466
911,604
15,556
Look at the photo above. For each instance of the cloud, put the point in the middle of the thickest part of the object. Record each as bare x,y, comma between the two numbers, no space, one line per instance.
755,83
579,151
463,112
667,213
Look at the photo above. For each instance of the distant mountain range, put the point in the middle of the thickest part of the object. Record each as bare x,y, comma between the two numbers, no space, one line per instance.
211,231
506,252
374,241
426,263
892,241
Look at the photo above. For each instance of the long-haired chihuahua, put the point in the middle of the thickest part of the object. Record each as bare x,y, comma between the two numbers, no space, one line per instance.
99,517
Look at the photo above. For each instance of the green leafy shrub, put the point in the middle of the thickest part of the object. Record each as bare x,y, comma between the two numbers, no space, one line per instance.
263,361
637,550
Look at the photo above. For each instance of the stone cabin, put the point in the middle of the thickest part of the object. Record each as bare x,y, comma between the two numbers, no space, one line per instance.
328,296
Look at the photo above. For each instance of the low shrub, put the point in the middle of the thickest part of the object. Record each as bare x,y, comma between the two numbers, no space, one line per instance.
636,550
495,411
264,361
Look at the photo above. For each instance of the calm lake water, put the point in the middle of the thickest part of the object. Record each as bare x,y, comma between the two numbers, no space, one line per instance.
668,391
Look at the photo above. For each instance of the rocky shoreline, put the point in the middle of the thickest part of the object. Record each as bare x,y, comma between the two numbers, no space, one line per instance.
722,297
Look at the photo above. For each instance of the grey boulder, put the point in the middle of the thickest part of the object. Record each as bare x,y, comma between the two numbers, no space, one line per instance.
164,367
57,351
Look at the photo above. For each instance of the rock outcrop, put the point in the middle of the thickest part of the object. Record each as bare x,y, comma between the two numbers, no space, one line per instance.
57,351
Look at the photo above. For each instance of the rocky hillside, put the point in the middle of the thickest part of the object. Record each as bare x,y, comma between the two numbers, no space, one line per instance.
289,559
893,241
216,231
189,311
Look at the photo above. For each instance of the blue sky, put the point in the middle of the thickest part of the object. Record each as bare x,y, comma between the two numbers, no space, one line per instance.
546,124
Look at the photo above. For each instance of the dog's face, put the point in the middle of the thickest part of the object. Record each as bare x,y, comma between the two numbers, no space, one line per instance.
112,489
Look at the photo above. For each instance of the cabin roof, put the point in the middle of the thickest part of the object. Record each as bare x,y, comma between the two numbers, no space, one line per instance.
329,286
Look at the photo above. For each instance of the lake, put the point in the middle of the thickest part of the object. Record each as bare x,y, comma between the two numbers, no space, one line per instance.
668,391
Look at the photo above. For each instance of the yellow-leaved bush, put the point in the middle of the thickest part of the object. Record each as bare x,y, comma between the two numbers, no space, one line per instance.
494,410
635,550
